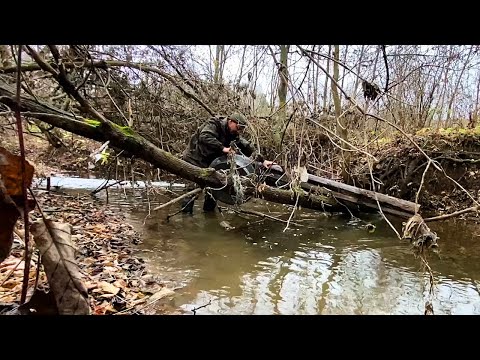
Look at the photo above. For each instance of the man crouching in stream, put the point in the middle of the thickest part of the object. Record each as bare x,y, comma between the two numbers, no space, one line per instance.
211,140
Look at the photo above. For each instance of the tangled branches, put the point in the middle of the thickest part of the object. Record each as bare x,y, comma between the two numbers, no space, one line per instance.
422,239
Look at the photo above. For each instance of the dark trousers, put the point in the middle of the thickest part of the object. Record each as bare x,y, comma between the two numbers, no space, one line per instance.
209,203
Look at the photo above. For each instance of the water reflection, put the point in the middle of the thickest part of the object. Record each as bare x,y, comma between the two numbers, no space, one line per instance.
337,267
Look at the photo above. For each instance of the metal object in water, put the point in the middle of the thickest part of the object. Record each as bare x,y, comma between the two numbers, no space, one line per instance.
274,176
245,167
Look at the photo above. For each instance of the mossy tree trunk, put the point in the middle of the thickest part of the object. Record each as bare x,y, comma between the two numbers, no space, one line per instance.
126,139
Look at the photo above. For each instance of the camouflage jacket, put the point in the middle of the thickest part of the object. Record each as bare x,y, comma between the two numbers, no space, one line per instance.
209,140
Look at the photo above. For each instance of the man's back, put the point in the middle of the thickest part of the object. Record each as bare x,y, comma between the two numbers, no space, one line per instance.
208,142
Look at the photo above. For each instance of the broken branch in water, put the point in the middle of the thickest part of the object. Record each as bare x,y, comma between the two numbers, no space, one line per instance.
183,208
153,299
418,233
193,192
195,309
106,186
291,215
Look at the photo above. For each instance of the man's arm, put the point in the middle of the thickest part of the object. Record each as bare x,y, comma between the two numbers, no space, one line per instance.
247,149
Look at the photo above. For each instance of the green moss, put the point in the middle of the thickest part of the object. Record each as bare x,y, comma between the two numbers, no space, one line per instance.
297,190
33,128
205,172
384,140
94,123
126,130
447,131
424,131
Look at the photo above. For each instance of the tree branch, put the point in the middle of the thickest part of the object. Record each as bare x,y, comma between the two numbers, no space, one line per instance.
193,192
456,213
104,64
386,65
65,83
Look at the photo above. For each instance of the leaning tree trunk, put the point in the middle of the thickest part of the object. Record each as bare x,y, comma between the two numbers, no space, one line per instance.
126,139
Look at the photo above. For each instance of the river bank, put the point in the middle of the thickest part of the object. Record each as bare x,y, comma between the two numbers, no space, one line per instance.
116,279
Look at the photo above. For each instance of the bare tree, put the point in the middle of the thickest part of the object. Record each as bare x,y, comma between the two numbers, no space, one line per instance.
341,120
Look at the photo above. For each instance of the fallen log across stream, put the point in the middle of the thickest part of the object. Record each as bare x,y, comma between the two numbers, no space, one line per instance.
319,193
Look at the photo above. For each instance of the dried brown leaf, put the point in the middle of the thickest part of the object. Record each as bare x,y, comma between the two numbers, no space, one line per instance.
58,257
120,284
11,171
11,196
9,215
108,288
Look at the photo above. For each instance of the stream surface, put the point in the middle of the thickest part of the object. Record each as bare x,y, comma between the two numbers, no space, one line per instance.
331,265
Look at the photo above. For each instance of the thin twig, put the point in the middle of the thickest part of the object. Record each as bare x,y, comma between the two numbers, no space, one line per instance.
194,310
342,140
432,281
142,306
193,192
378,203
110,96
179,211
10,273
24,179
456,213
107,186
37,275
421,185
291,215
256,213
386,66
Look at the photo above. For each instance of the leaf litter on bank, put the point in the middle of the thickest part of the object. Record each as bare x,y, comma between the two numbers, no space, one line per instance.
115,279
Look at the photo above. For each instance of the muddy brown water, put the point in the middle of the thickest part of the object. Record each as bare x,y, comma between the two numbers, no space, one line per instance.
335,266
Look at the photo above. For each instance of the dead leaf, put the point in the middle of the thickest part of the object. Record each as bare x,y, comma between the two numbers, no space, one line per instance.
9,298
90,285
11,171
101,309
9,215
10,284
58,257
108,288
110,269
261,187
11,196
120,284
